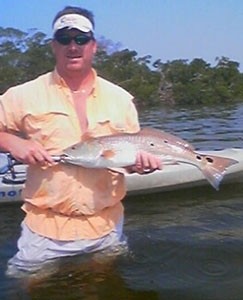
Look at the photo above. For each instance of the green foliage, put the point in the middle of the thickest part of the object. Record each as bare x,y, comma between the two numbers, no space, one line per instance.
199,83
25,55
132,73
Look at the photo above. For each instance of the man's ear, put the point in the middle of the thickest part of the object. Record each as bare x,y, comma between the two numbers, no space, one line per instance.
52,43
95,47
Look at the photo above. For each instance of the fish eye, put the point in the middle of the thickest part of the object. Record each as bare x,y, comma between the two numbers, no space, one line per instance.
151,144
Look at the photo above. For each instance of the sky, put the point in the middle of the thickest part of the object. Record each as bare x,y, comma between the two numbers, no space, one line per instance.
164,29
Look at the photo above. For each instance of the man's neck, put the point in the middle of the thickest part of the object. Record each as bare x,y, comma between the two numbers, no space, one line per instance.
77,81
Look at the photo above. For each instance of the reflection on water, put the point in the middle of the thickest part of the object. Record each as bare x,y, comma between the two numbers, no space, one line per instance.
210,128
192,243
183,245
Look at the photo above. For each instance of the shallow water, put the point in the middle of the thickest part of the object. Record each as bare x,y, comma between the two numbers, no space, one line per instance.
209,128
185,244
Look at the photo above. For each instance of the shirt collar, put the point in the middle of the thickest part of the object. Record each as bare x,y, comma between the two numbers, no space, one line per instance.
60,82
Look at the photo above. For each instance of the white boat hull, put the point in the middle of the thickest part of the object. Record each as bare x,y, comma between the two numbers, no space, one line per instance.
172,177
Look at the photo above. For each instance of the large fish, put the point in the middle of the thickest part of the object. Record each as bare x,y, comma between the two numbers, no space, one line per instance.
120,150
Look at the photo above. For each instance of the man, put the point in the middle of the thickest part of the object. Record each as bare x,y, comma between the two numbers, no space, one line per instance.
69,209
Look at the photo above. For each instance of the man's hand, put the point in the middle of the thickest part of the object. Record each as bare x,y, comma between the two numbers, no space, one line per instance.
25,151
146,163
31,152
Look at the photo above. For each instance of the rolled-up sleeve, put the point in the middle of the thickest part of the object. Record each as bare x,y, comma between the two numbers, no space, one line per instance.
10,111
2,118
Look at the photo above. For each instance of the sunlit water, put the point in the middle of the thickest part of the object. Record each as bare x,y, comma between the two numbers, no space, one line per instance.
183,245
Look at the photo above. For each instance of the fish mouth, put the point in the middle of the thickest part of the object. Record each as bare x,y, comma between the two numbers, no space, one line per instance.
65,157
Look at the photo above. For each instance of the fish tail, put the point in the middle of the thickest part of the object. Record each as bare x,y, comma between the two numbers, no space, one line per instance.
215,169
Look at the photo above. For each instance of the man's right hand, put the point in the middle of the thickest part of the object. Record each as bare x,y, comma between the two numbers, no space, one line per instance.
25,151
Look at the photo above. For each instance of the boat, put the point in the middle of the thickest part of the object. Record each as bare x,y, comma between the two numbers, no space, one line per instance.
171,177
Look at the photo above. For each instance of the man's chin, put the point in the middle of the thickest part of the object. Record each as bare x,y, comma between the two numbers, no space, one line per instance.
74,67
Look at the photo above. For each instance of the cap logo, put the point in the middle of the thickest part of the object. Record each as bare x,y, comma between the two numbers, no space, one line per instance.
75,21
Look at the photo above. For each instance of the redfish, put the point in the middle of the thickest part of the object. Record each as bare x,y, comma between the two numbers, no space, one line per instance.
120,150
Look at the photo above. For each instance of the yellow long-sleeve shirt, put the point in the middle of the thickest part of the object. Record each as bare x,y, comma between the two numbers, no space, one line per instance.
68,202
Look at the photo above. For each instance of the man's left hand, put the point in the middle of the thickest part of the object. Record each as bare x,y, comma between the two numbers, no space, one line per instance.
146,163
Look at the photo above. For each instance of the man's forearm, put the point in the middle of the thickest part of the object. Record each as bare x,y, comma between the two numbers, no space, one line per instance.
7,140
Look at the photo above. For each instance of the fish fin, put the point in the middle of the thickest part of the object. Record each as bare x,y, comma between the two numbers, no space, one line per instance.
87,136
108,154
119,170
215,168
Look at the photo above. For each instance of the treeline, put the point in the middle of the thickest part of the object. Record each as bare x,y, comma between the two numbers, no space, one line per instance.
25,55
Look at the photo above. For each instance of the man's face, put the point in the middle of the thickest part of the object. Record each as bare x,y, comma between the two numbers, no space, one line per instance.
75,55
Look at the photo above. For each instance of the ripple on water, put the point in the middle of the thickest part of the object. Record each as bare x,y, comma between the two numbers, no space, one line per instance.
207,128
190,242
173,265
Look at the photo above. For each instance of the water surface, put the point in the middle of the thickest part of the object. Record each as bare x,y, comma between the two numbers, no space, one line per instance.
185,244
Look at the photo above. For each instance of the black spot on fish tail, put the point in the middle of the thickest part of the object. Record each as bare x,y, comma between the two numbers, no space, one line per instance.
209,159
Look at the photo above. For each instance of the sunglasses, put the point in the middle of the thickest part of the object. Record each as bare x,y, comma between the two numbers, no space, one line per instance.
79,39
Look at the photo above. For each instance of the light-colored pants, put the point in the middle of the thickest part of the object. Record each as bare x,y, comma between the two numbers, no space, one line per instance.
34,250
